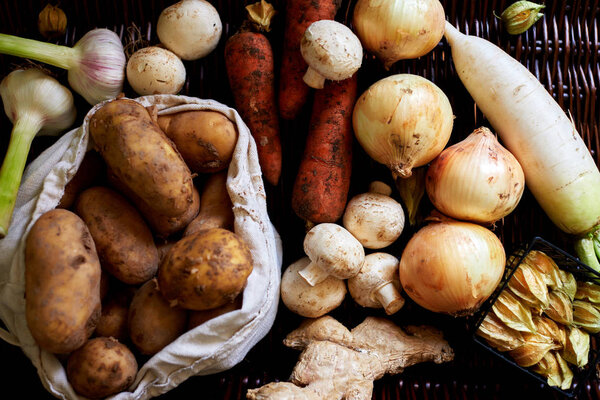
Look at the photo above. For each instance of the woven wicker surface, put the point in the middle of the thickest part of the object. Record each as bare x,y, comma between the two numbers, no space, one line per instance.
562,50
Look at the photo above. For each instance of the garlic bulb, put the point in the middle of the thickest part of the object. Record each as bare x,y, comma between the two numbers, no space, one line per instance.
96,63
403,121
35,103
399,29
99,72
476,179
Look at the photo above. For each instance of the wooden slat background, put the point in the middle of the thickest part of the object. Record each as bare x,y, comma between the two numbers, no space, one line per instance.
562,50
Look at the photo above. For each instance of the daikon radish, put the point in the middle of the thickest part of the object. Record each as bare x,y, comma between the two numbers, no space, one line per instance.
559,169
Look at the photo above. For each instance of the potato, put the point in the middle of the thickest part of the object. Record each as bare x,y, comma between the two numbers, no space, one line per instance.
123,240
161,225
205,270
153,322
102,367
142,157
115,311
216,210
90,173
205,139
62,282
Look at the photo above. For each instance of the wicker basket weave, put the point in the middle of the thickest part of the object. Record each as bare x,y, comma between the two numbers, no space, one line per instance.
562,50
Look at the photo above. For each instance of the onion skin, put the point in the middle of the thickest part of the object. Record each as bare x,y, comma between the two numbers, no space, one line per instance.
476,179
452,267
403,121
399,29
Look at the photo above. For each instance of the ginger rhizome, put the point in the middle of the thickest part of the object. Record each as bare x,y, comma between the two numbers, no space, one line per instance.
337,363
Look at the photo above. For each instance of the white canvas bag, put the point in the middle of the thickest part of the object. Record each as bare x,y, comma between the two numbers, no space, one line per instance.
212,347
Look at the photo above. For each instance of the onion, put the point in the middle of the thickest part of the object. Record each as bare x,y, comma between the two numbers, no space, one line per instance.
399,29
452,266
476,179
403,121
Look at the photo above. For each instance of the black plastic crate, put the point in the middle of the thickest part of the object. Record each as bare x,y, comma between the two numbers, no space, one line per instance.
566,262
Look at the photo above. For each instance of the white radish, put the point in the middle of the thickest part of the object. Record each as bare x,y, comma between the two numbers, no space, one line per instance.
559,169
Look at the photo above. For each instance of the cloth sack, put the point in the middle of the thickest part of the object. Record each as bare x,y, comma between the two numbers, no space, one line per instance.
212,347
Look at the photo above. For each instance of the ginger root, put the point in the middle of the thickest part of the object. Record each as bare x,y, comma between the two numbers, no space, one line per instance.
337,363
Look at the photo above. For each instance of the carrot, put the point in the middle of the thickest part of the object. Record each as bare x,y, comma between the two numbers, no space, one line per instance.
321,187
293,92
250,68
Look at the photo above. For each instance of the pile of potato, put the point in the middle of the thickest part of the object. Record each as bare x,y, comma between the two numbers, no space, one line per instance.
134,255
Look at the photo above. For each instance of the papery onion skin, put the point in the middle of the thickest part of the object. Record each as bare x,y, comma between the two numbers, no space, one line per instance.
452,267
403,121
399,29
476,179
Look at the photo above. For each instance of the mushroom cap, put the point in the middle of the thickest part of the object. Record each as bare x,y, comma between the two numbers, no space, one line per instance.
334,249
190,28
154,70
306,300
332,49
377,270
376,220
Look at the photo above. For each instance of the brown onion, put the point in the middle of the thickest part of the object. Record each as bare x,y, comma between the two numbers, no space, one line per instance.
476,179
403,121
452,266
399,29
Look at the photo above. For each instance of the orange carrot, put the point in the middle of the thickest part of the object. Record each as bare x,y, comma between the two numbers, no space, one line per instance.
250,68
293,92
321,188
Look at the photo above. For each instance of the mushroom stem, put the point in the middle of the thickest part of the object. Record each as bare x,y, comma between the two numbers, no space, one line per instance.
389,297
313,274
380,187
314,79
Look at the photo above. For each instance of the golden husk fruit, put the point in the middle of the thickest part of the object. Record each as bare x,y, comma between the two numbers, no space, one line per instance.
52,22
588,291
546,265
560,308
586,316
498,335
550,329
535,348
569,284
510,311
527,283
577,347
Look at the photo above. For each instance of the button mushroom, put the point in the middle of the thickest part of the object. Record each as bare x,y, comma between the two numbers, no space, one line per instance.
332,251
374,218
154,70
190,28
306,300
377,284
331,50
